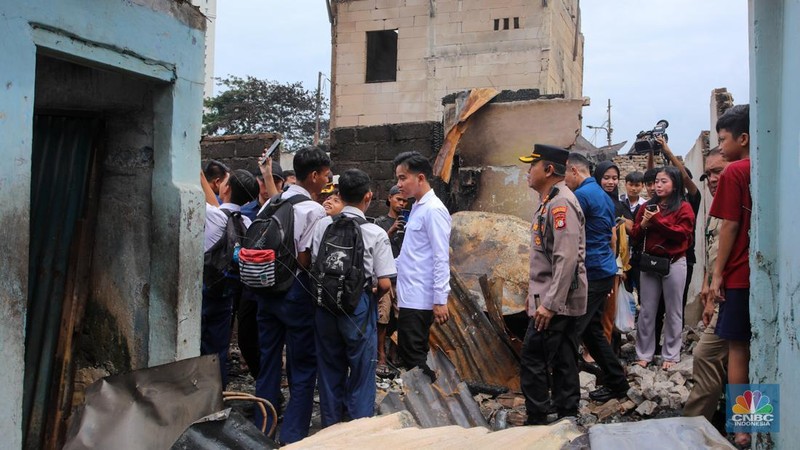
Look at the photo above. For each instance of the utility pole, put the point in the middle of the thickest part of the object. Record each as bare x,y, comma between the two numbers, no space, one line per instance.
319,107
609,131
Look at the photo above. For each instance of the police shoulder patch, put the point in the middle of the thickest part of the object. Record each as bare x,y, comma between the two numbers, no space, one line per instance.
559,217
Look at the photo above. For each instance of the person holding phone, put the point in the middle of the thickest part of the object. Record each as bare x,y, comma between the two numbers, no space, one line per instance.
665,227
393,222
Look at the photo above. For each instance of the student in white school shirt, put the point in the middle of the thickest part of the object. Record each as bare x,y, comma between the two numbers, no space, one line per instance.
347,343
289,318
423,267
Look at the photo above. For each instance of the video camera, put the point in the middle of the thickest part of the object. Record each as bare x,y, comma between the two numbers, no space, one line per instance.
646,140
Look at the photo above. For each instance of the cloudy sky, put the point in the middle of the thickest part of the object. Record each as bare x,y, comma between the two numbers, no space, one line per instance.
655,59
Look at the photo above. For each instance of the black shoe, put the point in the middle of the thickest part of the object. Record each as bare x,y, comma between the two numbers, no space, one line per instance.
567,413
537,419
605,394
589,367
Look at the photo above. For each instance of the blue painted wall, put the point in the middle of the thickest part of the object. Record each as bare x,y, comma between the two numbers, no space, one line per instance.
775,243
158,39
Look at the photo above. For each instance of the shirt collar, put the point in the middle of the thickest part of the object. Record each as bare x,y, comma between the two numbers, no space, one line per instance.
426,197
353,211
230,207
588,180
297,189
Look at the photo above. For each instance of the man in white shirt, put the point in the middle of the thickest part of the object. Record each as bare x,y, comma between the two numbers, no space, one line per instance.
347,343
423,267
289,318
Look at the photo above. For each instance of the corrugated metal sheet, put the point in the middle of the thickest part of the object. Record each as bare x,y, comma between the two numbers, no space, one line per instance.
62,152
478,352
448,401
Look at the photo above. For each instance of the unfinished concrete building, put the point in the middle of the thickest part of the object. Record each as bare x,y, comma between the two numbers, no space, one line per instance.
100,116
397,65
394,61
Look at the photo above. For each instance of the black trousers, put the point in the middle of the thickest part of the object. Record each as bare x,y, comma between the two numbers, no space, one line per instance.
413,331
553,350
589,328
248,334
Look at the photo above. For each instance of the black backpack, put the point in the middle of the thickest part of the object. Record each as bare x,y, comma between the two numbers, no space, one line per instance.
273,230
338,272
218,260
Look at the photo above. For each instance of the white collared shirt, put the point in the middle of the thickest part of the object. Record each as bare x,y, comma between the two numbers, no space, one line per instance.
624,199
306,216
378,259
216,221
423,267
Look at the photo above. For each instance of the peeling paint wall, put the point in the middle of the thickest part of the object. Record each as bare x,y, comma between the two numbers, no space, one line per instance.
500,133
160,42
774,241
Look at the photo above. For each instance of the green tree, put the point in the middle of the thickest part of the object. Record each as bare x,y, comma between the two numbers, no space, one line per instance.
250,105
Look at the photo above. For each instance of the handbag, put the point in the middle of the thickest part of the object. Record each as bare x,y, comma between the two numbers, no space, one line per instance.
657,265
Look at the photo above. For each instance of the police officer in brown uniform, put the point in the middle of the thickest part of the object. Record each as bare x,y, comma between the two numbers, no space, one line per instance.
557,290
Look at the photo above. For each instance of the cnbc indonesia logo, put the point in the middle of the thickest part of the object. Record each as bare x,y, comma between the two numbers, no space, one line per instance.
752,409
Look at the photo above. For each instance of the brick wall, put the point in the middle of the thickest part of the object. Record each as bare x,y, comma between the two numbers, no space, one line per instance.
373,148
237,151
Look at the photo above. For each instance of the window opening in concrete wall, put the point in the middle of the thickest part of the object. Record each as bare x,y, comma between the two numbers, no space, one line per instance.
516,23
381,56
505,23
496,24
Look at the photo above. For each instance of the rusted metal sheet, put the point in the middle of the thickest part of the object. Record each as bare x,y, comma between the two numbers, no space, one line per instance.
448,401
147,408
471,342
495,245
477,98
493,294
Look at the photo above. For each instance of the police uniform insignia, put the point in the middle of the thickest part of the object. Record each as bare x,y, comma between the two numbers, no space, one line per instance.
559,217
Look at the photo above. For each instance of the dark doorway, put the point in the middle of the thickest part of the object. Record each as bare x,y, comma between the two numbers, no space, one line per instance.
64,179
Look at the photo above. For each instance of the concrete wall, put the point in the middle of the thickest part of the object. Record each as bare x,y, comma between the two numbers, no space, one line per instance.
448,46
159,40
497,135
372,149
774,241
238,151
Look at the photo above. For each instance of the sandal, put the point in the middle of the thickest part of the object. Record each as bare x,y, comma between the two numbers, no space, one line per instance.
667,364
642,363
383,371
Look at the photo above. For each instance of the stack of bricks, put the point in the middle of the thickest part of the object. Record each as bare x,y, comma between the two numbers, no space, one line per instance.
632,163
372,149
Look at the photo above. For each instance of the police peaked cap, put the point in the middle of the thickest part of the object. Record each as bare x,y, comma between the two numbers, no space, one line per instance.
548,153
